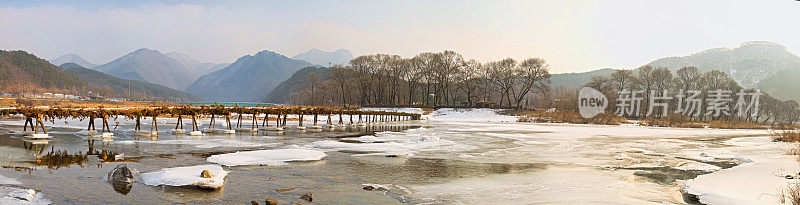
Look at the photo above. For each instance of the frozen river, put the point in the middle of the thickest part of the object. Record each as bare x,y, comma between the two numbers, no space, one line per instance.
450,157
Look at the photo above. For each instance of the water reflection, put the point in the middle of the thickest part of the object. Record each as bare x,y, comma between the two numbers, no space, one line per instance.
72,146
121,187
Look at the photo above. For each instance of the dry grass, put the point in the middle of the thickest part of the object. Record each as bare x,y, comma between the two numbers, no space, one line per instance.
566,117
784,126
786,136
674,121
685,122
610,119
791,192
736,125
781,196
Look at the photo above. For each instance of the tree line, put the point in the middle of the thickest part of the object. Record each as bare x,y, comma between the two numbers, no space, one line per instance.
445,78
427,79
659,80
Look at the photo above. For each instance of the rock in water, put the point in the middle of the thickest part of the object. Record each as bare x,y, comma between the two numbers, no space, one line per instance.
307,197
271,202
121,179
253,202
121,174
369,188
205,174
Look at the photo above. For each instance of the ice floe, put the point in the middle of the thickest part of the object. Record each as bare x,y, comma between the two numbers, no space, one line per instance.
6,180
186,176
386,148
202,143
15,195
386,143
276,157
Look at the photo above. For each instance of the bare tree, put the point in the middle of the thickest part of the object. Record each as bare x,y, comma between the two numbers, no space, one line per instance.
468,80
502,75
532,73
341,75
622,79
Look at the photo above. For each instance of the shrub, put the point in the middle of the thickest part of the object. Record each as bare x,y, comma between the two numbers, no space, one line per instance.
786,136
566,117
736,125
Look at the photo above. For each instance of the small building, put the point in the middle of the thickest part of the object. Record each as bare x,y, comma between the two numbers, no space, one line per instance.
484,104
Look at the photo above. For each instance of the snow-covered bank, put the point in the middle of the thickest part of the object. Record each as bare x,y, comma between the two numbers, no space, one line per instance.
398,109
186,176
469,115
756,182
275,157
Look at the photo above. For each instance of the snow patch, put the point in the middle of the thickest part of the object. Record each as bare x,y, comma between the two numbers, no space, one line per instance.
470,114
186,176
276,157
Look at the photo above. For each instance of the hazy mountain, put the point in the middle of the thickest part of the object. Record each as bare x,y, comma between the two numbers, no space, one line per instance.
22,71
748,64
576,80
249,79
127,88
280,94
195,66
72,58
318,57
150,66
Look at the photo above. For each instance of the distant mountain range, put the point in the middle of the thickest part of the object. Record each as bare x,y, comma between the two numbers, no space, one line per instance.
150,66
133,89
768,66
72,58
174,70
763,65
195,66
576,80
327,59
24,72
748,64
249,79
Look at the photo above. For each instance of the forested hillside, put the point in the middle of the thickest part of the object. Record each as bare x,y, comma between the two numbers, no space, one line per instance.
21,71
133,89
298,81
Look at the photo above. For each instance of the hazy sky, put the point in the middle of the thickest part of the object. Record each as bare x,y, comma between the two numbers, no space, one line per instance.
571,35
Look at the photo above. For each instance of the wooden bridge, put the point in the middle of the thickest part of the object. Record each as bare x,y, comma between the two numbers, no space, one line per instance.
35,117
